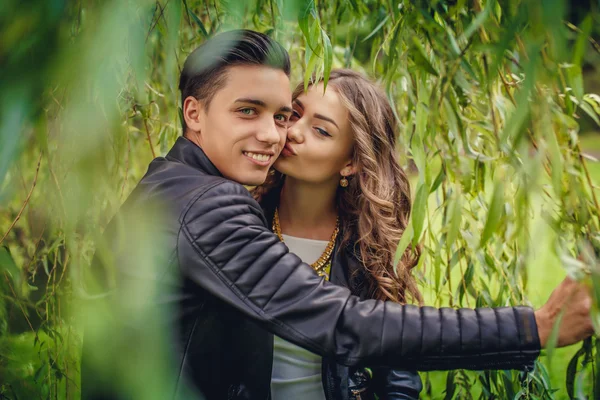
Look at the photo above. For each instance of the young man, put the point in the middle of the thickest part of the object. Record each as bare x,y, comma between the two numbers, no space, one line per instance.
229,280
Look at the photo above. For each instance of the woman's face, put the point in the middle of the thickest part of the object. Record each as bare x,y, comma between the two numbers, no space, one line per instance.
319,140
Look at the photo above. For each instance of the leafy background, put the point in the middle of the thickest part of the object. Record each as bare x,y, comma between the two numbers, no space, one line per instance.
499,129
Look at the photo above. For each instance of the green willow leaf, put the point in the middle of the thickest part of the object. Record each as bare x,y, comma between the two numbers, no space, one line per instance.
581,43
572,372
508,385
552,340
455,210
303,25
310,68
441,176
419,211
589,110
314,34
575,79
355,6
593,100
450,385
478,21
420,57
328,55
404,242
494,213
7,264
197,20
437,270
453,43
556,161
377,28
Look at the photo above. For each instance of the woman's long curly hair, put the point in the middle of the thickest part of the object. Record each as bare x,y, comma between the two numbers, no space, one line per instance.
375,208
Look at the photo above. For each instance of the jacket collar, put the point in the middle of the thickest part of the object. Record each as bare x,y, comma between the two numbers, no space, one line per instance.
187,152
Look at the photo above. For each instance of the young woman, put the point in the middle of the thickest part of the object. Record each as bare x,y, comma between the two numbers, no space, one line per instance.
339,199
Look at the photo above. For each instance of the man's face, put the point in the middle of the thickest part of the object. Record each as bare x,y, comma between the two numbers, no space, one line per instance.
245,126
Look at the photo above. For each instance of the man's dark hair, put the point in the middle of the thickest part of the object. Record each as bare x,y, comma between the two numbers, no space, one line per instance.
204,71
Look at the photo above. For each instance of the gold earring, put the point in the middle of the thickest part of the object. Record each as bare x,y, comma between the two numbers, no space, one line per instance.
343,182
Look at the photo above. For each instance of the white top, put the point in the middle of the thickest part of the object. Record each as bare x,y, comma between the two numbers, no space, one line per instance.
297,372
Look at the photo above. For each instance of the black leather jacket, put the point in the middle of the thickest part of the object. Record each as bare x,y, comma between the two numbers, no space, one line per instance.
229,278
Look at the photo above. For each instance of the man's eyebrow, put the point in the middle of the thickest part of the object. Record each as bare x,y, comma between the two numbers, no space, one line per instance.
251,101
324,118
261,103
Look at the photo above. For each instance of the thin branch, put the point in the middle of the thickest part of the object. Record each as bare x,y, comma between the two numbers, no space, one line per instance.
149,138
126,165
145,120
588,178
207,7
155,22
62,198
26,200
464,284
20,305
37,243
595,44
62,274
273,21
495,123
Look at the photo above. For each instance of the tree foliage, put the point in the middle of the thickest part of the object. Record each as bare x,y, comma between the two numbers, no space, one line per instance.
490,98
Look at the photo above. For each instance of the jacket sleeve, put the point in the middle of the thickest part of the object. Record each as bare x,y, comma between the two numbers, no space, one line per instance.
392,384
225,247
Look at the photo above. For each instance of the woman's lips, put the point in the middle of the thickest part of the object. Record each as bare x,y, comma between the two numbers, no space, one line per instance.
288,151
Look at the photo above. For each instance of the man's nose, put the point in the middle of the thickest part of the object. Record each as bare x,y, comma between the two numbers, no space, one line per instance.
270,134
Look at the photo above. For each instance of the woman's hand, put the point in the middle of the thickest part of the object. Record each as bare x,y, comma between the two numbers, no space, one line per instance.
575,302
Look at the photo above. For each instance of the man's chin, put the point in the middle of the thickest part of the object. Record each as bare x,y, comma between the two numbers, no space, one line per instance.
254,180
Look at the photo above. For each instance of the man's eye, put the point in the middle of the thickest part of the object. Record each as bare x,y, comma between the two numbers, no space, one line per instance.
247,111
281,117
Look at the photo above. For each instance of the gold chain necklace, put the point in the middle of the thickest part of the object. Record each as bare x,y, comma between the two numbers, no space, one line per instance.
320,266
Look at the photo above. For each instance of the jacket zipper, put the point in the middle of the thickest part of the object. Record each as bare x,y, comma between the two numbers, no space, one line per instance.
328,378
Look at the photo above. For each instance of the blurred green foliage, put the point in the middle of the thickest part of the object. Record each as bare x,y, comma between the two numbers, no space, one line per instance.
491,98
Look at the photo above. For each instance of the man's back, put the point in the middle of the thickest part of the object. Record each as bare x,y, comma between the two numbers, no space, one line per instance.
199,332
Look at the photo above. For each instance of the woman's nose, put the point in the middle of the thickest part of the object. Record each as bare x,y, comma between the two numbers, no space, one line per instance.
294,133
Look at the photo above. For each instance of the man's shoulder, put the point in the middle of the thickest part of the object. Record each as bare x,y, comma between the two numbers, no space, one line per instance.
192,193
181,179
222,198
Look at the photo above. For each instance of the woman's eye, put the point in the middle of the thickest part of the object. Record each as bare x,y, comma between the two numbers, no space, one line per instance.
295,116
322,132
247,111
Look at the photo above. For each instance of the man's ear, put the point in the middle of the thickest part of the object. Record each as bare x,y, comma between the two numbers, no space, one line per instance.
192,115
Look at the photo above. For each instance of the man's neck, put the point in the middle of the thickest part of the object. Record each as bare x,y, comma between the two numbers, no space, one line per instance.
193,137
307,210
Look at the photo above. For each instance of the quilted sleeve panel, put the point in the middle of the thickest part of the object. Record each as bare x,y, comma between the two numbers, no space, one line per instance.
225,247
